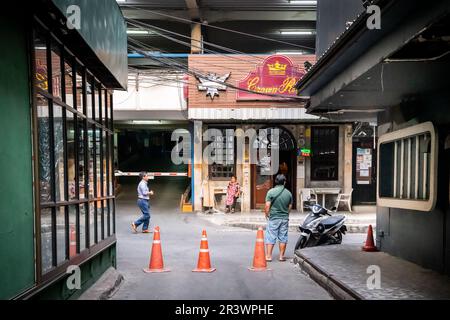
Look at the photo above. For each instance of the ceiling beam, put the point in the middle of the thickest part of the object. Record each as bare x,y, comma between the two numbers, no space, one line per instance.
225,15
193,9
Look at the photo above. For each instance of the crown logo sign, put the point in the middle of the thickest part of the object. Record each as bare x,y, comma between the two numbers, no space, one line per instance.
277,68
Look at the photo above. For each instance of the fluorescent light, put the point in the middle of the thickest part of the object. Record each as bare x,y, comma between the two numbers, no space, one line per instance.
305,3
146,121
290,52
137,32
297,32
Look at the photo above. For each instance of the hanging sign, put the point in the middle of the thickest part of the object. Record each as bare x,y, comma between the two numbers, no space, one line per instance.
277,75
212,83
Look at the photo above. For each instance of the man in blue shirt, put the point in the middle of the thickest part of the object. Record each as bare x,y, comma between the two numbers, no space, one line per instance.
143,202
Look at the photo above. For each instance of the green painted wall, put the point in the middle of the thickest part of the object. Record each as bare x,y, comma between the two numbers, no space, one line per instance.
16,201
103,28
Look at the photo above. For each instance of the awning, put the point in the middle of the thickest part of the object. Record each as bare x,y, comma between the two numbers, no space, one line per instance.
101,40
374,69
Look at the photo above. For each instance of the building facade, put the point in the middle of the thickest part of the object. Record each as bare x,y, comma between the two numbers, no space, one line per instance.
57,200
313,152
399,73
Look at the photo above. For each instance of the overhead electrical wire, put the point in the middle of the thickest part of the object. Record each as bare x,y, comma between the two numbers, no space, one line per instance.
231,68
197,74
190,45
233,51
219,28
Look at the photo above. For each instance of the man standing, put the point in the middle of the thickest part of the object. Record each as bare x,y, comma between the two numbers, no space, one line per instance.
143,203
278,205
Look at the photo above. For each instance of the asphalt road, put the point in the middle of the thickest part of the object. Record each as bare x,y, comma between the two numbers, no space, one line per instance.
231,251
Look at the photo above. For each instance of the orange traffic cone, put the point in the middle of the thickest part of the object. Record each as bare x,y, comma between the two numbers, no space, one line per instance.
259,258
72,242
204,262
156,259
369,246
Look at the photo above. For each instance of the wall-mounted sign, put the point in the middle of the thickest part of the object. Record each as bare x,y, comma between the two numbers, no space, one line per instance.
277,75
304,152
212,83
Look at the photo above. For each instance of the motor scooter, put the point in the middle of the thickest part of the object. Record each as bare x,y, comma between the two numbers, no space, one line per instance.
321,227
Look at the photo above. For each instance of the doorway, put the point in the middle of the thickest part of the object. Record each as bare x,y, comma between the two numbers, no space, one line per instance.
261,182
364,171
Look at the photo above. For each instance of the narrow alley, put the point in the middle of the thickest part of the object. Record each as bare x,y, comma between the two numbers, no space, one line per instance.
231,252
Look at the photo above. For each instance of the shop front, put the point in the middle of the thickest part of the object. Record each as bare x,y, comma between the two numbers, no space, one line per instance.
268,132
57,206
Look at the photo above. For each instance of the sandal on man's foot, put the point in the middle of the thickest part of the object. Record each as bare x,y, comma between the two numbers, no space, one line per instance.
133,226
282,259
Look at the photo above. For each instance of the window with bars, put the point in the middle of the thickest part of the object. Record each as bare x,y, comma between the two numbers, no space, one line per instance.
226,145
325,154
73,116
407,160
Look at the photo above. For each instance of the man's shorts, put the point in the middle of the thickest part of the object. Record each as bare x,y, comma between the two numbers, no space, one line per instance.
277,229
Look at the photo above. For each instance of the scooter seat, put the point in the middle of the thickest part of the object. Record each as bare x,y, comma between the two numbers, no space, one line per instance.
331,221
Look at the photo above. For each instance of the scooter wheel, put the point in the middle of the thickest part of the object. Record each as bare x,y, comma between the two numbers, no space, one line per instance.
301,243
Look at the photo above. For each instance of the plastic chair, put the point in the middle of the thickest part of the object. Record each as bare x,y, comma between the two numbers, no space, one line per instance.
346,198
307,195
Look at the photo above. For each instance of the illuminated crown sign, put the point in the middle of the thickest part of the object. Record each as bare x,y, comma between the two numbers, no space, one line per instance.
277,68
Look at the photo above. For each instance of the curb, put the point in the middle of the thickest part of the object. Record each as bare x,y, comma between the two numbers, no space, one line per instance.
351,228
336,288
105,287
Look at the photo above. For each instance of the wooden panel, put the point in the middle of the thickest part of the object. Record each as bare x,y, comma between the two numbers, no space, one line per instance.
239,66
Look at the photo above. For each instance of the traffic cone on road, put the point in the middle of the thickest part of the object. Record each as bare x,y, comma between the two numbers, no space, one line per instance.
72,242
156,259
204,262
369,246
259,258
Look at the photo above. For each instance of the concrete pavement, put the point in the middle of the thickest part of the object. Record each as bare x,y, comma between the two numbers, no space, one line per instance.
345,270
356,222
231,251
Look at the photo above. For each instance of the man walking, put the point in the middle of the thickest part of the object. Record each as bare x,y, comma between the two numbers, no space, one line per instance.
143,202
278,205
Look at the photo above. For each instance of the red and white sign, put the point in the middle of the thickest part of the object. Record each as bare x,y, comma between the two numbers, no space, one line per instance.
151,174
276,77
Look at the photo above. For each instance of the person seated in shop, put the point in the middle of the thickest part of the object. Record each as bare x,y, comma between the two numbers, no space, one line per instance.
233,193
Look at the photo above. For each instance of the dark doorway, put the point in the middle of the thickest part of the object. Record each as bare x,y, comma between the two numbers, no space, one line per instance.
364,175
262,183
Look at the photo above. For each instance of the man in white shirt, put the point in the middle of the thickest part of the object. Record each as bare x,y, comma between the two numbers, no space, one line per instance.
143,203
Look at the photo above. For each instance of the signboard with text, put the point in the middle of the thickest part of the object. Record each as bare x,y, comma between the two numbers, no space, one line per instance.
274,79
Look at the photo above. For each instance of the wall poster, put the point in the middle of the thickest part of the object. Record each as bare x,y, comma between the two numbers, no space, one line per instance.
363,166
